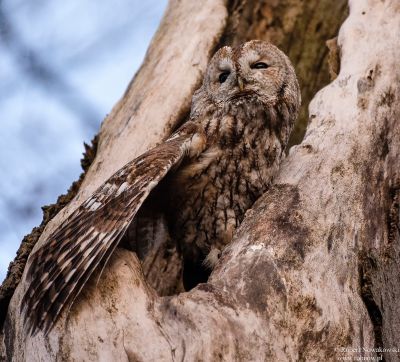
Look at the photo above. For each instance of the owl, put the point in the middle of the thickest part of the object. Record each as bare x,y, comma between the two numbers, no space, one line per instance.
202,179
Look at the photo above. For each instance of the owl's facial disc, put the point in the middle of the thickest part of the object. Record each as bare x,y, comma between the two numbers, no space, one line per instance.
253,72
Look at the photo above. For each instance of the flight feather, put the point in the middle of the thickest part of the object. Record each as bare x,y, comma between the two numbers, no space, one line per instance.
60,267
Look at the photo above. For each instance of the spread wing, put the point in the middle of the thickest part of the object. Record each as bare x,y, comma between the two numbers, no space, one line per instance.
60,268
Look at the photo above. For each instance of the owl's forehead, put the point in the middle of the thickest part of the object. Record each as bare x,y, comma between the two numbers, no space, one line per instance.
252,51
246,56
246,53
223,58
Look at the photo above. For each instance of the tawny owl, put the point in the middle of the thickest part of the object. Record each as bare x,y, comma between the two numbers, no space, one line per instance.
205,176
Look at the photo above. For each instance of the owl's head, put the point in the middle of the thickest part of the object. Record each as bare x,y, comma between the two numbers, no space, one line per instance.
256,71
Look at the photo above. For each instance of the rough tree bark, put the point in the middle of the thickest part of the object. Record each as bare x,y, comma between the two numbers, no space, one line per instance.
314,266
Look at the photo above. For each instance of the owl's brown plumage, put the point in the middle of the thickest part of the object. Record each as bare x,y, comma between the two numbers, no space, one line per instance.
213,169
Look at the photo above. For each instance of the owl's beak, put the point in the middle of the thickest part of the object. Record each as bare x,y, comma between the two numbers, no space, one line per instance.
240,83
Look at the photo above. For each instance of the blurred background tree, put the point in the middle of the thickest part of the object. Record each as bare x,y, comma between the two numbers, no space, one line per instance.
62,68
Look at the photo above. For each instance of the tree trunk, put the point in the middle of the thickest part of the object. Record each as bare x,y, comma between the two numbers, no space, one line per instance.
312,272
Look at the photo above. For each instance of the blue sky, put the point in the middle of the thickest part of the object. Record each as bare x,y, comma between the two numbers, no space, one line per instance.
63,65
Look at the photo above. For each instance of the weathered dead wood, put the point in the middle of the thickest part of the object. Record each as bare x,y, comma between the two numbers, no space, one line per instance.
309,270
245,20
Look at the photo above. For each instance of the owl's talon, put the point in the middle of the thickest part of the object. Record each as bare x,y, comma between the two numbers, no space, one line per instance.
212,258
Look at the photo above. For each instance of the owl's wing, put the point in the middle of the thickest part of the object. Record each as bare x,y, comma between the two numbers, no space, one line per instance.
60,268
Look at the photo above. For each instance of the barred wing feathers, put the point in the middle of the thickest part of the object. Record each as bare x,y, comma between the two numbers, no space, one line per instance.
59,269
